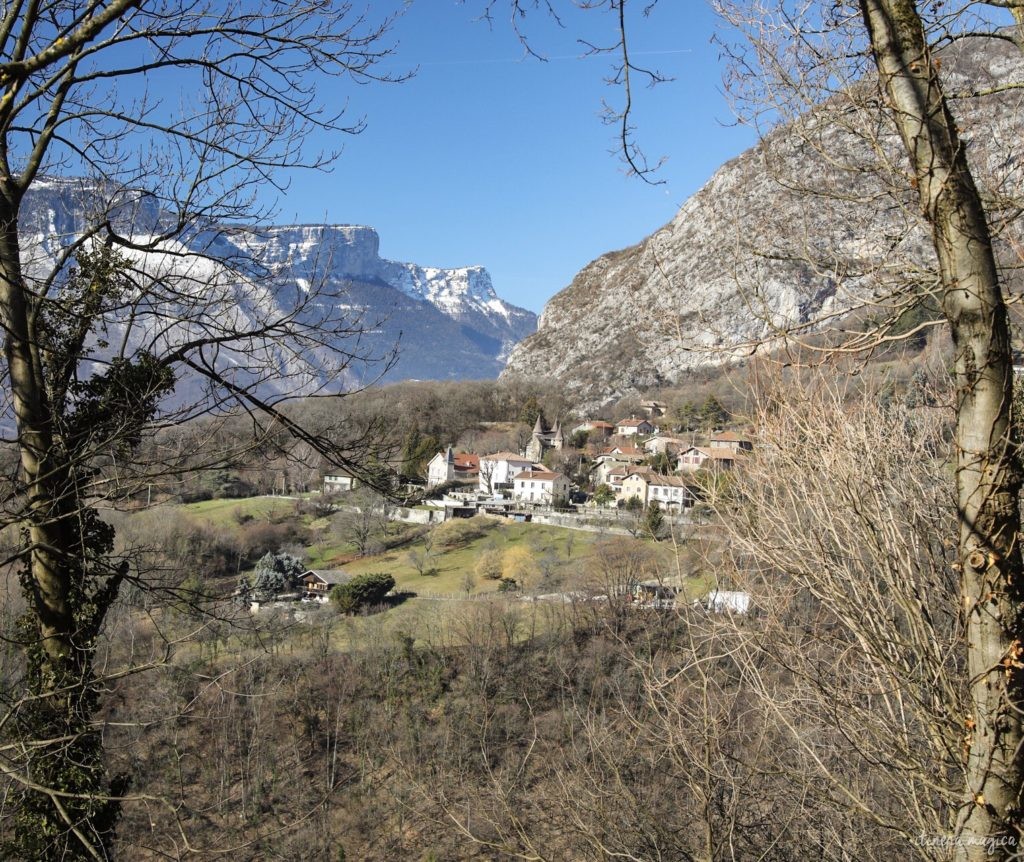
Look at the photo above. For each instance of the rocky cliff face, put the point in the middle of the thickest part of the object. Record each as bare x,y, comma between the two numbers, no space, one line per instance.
459,304
817,220
447,323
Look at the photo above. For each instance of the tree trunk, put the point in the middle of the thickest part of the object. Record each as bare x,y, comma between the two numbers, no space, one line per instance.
45,481
64,751
988,477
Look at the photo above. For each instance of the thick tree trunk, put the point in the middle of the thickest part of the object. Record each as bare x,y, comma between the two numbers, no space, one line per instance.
988,478
66,751
45,481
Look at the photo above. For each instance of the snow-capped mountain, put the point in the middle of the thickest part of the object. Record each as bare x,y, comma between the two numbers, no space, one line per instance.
464,295
446,323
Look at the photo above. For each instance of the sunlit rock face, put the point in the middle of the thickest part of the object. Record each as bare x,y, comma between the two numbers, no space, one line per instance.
818,219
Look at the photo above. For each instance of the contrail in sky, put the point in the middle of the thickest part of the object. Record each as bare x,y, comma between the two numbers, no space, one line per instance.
528,57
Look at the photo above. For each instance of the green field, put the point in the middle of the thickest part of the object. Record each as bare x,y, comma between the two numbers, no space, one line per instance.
439,564
226,512
452,565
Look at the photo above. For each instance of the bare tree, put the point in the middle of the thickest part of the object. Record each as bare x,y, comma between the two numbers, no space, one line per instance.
139,301
840,527
902,133
875,96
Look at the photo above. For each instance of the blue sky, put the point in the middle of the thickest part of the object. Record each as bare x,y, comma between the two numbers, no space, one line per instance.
487,157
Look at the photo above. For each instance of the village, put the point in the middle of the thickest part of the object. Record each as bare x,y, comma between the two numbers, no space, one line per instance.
633,463
634,477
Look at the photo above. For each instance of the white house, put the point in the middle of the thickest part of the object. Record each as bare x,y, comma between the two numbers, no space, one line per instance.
608,462
718,457
670,492
450,466
539,486
664,443
633,427
338,482
727,602
498,470
621,472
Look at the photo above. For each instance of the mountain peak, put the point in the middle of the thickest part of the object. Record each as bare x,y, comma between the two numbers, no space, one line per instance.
448,323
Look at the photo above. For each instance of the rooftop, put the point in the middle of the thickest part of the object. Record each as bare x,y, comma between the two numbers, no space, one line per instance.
505,456
541,475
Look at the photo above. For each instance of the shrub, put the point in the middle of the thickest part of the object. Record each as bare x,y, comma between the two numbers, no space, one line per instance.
461,531
520,565
489,564
258,537
363,591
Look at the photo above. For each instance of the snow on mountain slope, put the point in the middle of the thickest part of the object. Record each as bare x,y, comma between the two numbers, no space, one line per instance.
446,323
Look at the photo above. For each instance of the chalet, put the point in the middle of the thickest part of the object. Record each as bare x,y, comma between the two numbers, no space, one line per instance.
497,471
730,440
633,427
450,466
539,486
319,583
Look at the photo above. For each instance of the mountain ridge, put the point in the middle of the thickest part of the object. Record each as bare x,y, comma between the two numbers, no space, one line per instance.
814,221
448,323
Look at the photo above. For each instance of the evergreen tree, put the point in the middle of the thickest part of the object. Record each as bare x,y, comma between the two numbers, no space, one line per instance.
654,520
276,573
712,414
530,410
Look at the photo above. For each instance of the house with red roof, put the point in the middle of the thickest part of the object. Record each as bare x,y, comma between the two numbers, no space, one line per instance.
449,466
635,427
670,492
710,457
730,440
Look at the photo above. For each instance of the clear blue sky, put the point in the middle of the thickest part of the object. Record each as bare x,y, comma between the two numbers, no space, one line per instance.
487,157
